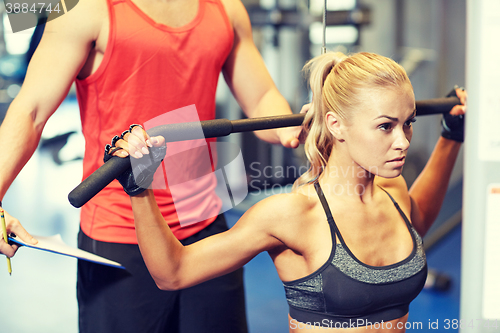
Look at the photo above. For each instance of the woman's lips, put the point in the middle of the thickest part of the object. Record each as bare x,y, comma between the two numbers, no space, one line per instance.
397,162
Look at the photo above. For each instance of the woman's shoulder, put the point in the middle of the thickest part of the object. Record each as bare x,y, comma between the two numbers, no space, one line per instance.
287,206
296,201
286,217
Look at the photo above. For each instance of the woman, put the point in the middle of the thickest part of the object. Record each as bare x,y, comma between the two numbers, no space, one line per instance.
347,241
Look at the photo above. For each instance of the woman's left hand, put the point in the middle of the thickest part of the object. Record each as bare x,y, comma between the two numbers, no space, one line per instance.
461,93
453,122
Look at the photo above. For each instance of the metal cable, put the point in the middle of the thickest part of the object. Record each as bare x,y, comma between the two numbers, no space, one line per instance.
323,48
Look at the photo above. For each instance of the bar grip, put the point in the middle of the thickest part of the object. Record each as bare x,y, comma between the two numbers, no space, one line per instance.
436,105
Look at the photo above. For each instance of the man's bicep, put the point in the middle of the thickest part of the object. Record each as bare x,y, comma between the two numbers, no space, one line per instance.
245,71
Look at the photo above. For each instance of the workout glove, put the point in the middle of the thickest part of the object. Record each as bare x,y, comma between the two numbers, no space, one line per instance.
139,176
453,126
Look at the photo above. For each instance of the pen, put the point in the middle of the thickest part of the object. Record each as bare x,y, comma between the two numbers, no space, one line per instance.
4,229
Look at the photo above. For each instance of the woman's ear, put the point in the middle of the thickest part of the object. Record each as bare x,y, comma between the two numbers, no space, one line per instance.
334,125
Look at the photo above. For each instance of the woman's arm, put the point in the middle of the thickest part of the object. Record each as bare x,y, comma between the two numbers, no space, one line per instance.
429,189
174,266
426,195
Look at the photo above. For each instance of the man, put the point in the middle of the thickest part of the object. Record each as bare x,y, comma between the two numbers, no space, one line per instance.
133,61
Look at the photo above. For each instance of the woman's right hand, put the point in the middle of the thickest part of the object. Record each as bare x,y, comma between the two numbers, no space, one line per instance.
136,143
148,153
14,226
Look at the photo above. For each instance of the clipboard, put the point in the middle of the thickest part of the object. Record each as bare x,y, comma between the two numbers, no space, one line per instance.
55,244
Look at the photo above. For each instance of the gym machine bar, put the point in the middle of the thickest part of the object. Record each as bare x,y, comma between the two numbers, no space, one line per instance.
215,128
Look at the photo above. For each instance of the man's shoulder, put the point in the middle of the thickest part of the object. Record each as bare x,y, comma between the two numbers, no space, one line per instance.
98,7
234,9
87,14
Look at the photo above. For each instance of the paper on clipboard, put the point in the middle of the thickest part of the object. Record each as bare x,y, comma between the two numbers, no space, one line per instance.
55,244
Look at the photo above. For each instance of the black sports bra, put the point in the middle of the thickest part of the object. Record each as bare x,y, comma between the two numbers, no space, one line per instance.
345,292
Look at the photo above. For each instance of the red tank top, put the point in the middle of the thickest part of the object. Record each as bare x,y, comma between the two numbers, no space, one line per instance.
149,69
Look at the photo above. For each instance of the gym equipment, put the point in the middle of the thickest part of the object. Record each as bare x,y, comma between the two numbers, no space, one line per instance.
215,128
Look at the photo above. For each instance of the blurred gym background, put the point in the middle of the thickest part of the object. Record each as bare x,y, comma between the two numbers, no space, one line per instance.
426,36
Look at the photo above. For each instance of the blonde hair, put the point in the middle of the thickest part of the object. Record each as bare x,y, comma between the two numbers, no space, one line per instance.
336,82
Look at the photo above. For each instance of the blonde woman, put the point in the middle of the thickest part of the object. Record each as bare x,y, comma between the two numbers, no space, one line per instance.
347,241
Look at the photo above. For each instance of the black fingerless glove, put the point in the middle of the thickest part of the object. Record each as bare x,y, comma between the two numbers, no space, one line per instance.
139,176
453,126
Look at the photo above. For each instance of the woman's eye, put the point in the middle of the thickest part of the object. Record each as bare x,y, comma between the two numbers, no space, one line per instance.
385,127
410,121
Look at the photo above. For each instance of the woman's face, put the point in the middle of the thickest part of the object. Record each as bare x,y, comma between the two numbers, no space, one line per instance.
379,132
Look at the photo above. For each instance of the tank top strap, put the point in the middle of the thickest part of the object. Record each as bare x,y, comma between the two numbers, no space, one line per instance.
398,208
327,210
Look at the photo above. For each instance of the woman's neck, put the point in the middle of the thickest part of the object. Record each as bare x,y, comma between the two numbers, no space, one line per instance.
343,177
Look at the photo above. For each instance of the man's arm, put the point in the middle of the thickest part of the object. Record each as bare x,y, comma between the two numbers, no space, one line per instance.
250,82
59,57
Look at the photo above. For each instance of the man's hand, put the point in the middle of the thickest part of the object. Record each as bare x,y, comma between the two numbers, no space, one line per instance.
292,137
14,226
